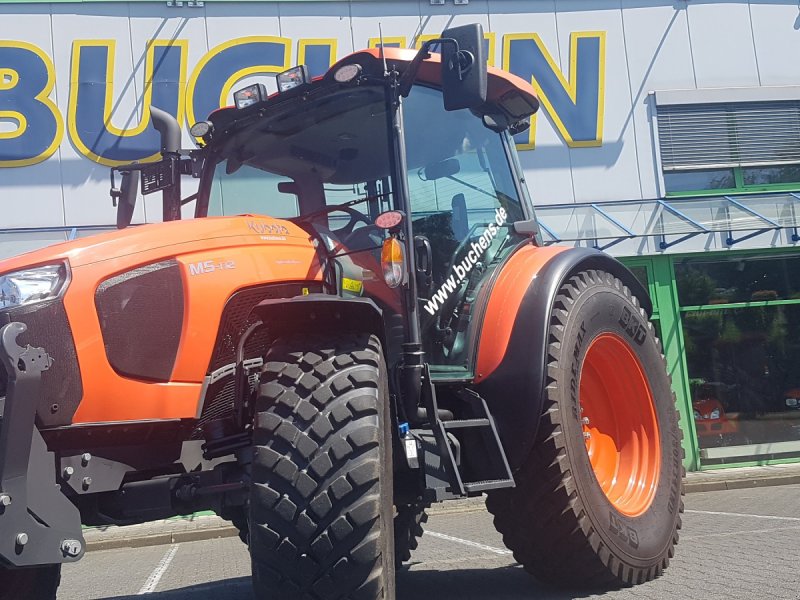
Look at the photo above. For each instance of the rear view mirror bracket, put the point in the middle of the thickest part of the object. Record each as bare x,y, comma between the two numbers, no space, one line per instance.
124,197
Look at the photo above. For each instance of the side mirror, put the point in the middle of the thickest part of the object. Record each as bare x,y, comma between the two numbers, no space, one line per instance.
464,70
442,169
128,189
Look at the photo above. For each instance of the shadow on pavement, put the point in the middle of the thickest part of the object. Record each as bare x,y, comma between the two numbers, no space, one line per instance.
502,583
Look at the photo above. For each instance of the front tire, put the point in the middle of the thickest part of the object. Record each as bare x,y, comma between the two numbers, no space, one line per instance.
408,528
321,498
598,501
33,583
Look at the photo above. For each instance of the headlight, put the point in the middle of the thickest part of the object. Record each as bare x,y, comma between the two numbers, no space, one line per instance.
697,415
33,285
714,414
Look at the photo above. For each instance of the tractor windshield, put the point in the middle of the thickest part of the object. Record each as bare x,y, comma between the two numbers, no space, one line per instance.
309,156
325,159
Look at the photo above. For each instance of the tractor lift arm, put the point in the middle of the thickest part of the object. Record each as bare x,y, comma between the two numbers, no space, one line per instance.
38,523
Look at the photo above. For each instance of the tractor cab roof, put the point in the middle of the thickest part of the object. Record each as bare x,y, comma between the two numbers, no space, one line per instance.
510,99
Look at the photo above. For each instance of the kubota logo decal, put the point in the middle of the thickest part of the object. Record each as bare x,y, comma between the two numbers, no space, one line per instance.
264,227
460,271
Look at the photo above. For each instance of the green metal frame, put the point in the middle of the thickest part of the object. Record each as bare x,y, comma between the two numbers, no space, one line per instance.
661,283
750,304
740,188
664,292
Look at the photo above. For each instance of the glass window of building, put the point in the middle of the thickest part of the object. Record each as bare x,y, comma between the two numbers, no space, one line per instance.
730,147
743,360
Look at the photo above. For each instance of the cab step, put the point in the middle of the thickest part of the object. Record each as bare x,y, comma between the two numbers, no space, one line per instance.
490,484
441,450
466,423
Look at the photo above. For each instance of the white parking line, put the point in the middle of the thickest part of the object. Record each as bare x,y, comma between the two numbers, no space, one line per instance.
161,568
735,533
450,538
727,514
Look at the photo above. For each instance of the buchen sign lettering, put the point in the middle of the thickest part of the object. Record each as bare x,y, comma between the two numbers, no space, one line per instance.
32,127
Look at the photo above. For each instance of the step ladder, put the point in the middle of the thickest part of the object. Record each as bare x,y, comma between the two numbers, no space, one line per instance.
446,469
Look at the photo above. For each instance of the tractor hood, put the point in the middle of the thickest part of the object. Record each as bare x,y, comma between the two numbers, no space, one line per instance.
158,237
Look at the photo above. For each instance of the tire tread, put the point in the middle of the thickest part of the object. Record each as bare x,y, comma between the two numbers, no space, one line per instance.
316,506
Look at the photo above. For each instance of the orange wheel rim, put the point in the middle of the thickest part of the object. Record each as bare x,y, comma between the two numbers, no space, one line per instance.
620,428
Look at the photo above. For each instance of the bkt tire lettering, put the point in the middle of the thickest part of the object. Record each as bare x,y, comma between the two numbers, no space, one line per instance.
624,532
633,327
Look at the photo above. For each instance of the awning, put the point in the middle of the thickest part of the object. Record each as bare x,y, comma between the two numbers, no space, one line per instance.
672,220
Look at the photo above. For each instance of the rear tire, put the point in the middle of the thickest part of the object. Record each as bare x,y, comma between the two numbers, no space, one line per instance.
611,519
321,499
32,583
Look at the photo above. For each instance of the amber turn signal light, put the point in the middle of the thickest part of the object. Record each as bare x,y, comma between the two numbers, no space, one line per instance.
393,263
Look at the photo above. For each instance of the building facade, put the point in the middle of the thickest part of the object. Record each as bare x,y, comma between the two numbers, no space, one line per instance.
669,136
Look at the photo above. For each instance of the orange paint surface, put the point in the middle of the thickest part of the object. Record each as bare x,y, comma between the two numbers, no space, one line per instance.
509,289
257,255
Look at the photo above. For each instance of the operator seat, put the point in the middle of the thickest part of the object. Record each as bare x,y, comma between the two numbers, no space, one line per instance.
460,223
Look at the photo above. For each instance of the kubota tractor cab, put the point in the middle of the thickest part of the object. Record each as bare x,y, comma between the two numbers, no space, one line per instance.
379,330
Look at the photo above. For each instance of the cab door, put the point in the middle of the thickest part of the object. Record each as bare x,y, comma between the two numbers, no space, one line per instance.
465,198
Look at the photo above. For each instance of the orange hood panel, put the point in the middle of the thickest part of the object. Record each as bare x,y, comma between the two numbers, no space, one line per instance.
179,236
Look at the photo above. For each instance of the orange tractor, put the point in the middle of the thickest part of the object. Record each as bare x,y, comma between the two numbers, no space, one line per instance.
384,330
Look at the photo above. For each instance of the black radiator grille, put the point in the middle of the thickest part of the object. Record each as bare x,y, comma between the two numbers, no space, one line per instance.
48,328
141,317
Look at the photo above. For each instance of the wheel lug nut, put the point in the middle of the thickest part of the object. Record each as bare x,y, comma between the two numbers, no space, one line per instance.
585,420
586,435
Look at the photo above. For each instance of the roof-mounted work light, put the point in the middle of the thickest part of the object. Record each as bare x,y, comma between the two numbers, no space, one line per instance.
294,77
250,95
347,73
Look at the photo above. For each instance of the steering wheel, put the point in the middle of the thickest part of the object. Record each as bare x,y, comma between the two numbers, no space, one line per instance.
355,217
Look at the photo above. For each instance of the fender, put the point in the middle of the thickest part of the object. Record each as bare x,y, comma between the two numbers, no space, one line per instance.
321,312
512,358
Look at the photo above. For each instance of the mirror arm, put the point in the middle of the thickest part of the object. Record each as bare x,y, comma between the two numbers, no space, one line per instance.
410,74
114,192
528,228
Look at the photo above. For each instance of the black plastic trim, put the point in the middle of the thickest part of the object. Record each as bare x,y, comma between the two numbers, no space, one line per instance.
321,312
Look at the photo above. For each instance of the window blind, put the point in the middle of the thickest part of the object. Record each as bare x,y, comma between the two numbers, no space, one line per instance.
693,136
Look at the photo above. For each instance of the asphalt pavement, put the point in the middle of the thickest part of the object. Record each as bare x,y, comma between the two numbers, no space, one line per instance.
741,543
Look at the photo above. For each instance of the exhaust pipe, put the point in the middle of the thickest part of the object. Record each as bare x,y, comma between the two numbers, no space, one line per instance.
169,129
